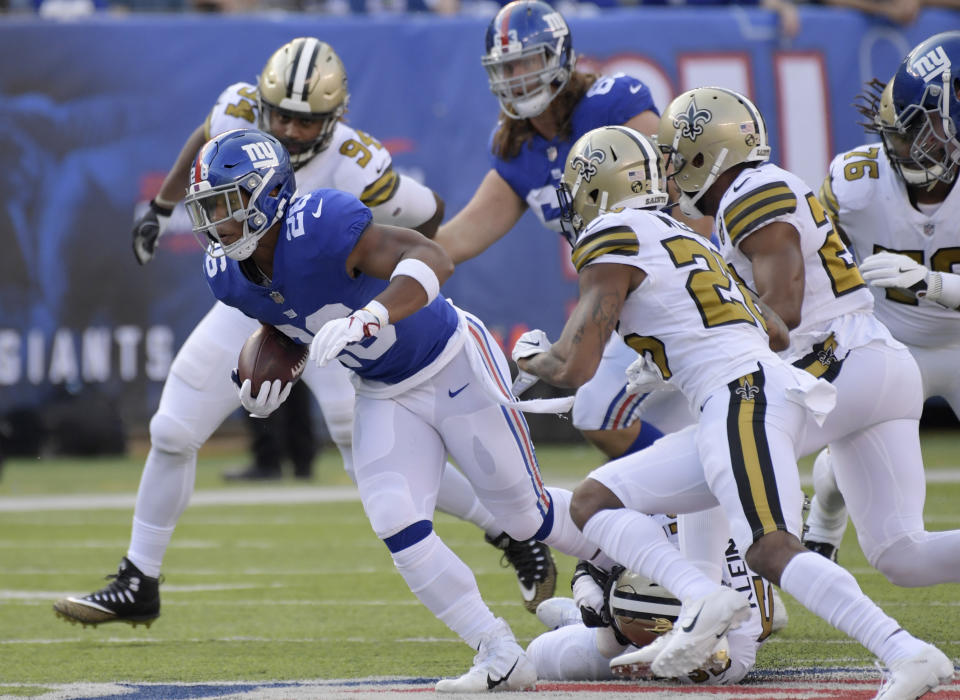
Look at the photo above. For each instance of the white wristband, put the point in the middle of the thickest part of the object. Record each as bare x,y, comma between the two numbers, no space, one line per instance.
944,288
422,273
378,310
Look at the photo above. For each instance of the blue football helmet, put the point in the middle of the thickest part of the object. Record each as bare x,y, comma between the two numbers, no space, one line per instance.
529,57
243,175
918,113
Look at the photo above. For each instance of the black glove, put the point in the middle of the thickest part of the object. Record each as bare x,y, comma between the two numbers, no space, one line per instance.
147,230
589,594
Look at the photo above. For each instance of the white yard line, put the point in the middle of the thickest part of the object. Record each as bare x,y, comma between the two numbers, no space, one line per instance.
267,495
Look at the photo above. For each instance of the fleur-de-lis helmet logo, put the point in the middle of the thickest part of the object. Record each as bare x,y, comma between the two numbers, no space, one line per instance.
586,161
691,123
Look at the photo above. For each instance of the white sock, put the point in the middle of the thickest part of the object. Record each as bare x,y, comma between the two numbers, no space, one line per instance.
637,541
566,536
148,544
832,593
165,489
446,586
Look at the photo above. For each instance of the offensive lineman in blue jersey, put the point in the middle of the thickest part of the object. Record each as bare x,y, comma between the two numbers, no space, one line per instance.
546,106
429,378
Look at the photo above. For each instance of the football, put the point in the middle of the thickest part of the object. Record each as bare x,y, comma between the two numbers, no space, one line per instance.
268,354
641,609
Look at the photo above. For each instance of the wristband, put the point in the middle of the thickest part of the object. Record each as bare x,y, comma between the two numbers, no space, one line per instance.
422,273
162,206
379,311
943,288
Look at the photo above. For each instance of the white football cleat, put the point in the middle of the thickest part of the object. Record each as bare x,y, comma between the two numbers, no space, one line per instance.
912,678
695,634
500,664
558,612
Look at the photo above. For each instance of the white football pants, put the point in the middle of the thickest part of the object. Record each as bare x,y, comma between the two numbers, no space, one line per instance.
874,441
199,395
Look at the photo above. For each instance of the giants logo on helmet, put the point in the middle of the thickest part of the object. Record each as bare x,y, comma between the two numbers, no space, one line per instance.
261,154
932,64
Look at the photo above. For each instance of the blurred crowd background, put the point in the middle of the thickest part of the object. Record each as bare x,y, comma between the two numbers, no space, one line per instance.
97,96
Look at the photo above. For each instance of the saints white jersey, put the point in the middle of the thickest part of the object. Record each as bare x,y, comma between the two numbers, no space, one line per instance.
833,287
690,316
870,205
354,162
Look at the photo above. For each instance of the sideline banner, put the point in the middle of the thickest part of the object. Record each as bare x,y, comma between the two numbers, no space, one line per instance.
94,112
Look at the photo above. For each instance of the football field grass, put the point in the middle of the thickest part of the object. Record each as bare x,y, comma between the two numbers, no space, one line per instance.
304,590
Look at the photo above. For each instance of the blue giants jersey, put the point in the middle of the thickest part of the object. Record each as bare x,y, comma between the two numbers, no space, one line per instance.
310,286
536,171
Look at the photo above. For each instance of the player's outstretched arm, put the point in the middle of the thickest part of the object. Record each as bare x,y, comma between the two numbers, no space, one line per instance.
574,358
149,227
492,211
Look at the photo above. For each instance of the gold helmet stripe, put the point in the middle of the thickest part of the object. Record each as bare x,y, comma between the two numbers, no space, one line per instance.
303,69
750,455
617,240
382,189
757,207
828,199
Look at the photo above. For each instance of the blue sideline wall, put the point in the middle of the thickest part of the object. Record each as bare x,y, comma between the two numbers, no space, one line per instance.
93,113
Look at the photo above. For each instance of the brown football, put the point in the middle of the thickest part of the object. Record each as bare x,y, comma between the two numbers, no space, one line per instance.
268,354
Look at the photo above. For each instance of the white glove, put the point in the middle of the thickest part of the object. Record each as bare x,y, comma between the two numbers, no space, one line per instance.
894,270
643,376
271,395
340,332
529,344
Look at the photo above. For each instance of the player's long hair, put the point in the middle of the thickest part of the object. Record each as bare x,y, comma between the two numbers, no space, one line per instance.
512,134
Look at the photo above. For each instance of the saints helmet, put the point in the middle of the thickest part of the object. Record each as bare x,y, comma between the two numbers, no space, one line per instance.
241,175
304,79
705,132
532,37
609,169
918,112
641,610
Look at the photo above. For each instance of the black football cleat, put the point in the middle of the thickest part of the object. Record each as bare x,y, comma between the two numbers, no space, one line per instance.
536,571
824,549
130,597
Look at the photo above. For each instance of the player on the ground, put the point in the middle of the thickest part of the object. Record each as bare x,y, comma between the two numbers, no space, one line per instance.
898,205
546,105
300,97
429,378
572,650
673,299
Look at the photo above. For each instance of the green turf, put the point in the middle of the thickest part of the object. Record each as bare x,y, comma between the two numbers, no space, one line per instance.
307,591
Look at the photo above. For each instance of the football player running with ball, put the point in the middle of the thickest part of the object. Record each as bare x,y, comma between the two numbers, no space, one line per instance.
300,97
898,205
429,378
673,299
